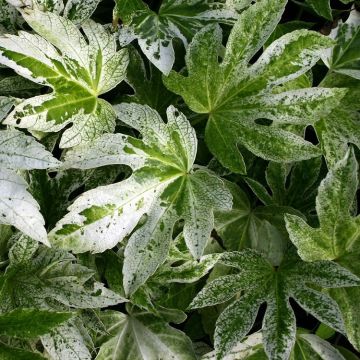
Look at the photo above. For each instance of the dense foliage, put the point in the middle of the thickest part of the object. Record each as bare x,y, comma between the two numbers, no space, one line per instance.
178,179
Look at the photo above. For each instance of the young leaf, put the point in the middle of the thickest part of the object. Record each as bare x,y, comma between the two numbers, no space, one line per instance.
234,94
273,287
30,323
17,206
141,337
77,71
175,19
344,56
164,186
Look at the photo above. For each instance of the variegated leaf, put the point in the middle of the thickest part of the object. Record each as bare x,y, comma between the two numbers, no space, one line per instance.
338,232
179,19
234,94
78,71
344,57
17,207
142,337
273,287
164,186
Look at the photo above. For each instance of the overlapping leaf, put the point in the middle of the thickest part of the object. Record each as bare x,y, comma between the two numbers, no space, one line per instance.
337,238
307,347
234,94
344,57
262,283
17,206
164,186
77,71
142,337
175,19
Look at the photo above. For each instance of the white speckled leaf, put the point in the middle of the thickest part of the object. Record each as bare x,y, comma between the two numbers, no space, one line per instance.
163,186
235,94
78,10
77,70
344,57
338,231
142,337
19,151
273,287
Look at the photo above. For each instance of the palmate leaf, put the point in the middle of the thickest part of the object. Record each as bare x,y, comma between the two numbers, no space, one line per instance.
164,186
11,353
307,347
344,56
175,19
342,126
78,72
262,283
337,238
140,336
17,207
258,227
40,277
235,94
30,323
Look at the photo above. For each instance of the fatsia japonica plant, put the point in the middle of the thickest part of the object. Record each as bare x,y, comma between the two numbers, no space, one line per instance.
178,179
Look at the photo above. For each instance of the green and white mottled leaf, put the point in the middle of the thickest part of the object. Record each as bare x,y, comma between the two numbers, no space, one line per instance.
78,71
30,323
234,94
163,186
67,342
5,105
261,228
338,231
78,11
142,337
21,152
344,56
179,19
307,347
273,287
44,278
18,208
